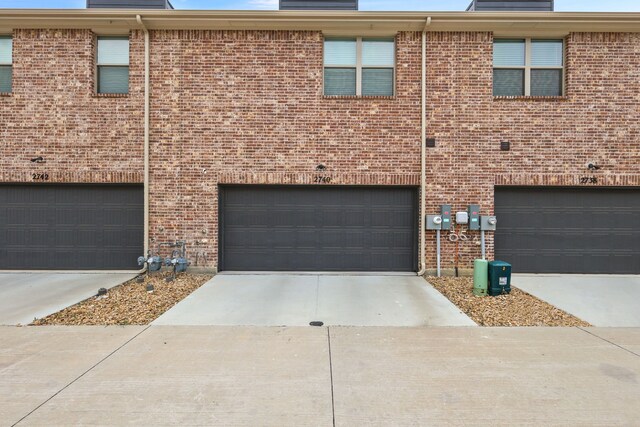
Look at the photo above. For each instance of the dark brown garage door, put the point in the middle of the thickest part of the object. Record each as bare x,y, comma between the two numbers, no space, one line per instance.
569,230
71,227
302,228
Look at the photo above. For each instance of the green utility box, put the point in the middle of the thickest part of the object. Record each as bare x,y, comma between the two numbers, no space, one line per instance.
480,277
499,278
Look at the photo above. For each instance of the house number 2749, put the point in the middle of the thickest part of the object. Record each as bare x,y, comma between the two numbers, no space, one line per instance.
40,176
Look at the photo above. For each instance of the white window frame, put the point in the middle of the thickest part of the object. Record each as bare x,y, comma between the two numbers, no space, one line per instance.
10,63
527,67
99,64
359,65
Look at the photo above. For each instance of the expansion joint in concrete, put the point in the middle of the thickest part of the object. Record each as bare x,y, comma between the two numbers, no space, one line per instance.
610,342
80,376
333,402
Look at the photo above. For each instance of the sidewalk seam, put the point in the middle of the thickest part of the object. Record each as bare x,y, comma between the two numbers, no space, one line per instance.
80,376
333,405
610,342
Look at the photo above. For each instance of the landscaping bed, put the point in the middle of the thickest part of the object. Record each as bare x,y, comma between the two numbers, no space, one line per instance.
515,309
129,303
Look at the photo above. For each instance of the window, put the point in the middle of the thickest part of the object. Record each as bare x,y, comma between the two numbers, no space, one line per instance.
359,66
113,65
6,63
528,67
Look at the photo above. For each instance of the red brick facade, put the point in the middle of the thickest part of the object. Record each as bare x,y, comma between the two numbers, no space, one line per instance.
247,107
53,112
552,140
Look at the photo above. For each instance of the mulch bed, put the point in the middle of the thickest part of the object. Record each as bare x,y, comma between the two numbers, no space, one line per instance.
129,303
515,309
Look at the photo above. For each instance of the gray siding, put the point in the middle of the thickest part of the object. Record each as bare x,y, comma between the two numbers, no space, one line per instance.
129,4
318,4
515,5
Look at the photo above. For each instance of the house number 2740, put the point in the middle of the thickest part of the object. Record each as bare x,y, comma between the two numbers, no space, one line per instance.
319,179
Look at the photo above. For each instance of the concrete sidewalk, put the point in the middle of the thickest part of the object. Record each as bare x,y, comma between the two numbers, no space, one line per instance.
297,299
344,376
37,362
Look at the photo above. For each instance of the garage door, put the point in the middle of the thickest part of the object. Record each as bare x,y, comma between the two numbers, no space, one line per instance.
569,230
301,228
71,227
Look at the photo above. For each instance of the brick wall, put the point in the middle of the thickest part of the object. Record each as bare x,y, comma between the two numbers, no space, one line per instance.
247,107
53,112
552,140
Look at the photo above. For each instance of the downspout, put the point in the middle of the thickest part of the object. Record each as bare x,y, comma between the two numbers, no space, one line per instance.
146,134
423,149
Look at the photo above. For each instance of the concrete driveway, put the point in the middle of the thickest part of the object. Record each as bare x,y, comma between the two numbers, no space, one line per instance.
297,299
602,300
336,376
26,296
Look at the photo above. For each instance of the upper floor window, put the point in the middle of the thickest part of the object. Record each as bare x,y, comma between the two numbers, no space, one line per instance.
113,65
6,63
359,66
528,67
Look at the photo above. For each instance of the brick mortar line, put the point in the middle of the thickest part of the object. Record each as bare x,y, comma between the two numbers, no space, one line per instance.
610,342
80,376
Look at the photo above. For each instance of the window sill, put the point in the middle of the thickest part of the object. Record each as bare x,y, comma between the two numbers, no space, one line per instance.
356,97
531,98
110,95
6,94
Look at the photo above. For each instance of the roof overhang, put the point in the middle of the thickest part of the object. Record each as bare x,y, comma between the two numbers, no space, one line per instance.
111,21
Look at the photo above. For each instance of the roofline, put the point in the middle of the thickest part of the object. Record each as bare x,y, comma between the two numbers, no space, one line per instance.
109,21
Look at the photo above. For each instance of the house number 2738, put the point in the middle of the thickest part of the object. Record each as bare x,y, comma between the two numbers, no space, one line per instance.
589,180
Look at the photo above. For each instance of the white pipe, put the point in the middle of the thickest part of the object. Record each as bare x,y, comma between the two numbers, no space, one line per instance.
146,134
438,251
482,244
423,150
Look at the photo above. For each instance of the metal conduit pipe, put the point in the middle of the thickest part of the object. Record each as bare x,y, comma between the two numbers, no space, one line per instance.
146,133
423,150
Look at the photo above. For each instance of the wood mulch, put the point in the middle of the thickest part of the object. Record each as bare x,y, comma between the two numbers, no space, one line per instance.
515,309
129,303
